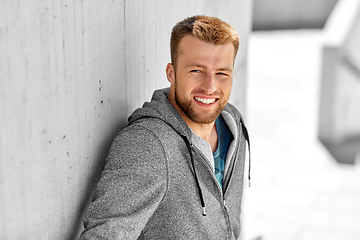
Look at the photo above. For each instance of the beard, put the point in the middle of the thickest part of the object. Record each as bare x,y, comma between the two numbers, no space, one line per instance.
206,116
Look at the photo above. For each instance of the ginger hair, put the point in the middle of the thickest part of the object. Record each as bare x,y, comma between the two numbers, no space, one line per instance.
208,29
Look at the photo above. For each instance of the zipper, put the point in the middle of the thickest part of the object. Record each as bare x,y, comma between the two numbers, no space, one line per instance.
227,219
223,202
203,159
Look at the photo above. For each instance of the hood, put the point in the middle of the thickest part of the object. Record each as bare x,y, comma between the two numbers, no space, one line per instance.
159,107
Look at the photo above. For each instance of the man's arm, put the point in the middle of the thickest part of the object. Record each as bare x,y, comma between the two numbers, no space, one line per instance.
131,187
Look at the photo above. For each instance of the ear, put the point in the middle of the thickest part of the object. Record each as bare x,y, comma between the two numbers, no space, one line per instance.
170,73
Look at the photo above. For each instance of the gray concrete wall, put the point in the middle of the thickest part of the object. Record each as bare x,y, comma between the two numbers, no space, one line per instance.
339,112
291,14
71,73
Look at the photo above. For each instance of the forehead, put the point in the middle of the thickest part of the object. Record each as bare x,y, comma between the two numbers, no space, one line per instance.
193,49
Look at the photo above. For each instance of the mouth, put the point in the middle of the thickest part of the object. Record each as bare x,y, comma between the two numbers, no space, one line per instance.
206,101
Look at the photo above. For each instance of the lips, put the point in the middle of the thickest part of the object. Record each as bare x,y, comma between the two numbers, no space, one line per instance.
205,100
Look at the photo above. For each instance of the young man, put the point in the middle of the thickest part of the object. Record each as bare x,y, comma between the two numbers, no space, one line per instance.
176,171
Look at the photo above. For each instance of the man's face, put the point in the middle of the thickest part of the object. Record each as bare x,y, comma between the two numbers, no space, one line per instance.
202,80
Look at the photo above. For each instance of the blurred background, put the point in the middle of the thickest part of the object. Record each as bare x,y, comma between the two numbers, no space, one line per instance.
303,114
72,71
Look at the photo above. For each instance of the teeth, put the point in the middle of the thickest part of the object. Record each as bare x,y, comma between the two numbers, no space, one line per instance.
205,100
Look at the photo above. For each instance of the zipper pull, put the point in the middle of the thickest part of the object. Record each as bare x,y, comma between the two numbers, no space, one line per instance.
227,210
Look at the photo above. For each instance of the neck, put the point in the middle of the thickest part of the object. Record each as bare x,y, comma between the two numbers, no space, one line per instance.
207,132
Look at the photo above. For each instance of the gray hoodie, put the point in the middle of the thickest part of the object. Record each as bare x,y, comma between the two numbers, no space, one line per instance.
158,184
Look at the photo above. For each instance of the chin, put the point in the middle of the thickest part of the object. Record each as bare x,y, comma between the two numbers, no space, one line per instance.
205,119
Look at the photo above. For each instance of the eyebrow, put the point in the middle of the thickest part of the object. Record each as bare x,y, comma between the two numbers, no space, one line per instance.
227,69
195,65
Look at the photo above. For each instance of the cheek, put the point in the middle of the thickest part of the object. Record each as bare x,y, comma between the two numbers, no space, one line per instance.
226,86
186,85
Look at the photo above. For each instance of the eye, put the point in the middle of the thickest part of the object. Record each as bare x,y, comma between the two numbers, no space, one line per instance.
222,74
195,71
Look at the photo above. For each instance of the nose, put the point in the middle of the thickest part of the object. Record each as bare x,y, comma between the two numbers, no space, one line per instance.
208,84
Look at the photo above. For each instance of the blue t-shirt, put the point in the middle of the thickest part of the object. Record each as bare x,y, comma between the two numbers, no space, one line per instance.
224,139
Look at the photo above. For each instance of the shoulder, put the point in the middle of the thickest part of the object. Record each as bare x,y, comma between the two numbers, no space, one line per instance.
156,127
135,144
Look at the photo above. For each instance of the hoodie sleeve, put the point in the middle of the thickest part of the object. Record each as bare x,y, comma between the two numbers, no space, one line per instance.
132,185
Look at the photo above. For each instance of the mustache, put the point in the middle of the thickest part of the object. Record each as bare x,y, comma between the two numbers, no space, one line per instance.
215,94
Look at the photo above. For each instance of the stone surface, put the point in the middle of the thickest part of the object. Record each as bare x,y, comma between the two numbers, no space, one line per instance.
71,73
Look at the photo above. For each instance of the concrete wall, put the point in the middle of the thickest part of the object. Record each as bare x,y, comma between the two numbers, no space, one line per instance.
290,14
71,73
339,115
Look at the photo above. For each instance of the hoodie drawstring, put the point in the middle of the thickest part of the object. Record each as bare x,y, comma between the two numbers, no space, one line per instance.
246,135
195,175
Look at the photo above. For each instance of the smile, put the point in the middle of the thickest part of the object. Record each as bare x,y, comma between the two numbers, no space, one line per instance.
205,100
